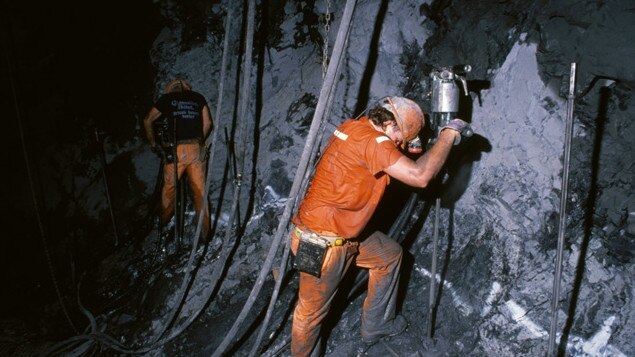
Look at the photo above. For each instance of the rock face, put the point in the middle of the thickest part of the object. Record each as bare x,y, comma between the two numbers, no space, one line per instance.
500,200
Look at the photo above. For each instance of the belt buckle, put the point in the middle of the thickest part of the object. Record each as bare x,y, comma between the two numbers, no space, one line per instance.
334,241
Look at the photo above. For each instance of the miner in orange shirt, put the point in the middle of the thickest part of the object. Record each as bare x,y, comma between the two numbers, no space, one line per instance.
349,181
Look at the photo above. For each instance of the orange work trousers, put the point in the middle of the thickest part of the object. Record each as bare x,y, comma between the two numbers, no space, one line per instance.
380,255
190,160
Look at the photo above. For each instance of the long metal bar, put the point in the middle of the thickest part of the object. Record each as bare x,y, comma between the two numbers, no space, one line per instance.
175,155
563,212
433,268
181,189
102,160
297,181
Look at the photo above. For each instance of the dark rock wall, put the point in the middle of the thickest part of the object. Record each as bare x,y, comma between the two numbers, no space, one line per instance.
499,223
500,216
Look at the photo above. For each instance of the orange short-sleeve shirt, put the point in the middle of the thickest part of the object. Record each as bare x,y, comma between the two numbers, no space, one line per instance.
349,180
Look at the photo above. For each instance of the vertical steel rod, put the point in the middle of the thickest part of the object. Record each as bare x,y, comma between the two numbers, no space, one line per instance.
175,155
102,160
563,212
433,268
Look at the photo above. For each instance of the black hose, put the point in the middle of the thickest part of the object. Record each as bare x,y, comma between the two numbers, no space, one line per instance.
246,86
302,166
220,262
285,257
159,341
186,280
274,298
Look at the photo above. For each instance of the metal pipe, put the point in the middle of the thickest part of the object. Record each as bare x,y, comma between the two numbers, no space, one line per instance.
562,222
320,109
181,214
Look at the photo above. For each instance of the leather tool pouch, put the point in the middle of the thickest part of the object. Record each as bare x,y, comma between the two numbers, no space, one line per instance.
310,254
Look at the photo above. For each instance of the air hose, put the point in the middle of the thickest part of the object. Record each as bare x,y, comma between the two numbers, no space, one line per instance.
208,180
220,262
305,182
297,182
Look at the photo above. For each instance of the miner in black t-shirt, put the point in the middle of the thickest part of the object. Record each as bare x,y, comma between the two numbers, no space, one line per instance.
188,110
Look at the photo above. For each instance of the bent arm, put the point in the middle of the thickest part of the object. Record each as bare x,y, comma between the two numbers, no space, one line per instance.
208,123
419,173
153,115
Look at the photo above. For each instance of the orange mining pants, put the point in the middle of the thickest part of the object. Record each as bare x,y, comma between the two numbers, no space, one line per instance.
190,160
380,255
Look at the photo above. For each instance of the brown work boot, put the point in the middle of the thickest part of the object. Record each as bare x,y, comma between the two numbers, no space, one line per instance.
390,328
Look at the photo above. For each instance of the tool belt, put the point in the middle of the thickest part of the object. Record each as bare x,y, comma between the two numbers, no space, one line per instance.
333,241
312,250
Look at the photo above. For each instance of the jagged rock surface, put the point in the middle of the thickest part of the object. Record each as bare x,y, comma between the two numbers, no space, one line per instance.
500,204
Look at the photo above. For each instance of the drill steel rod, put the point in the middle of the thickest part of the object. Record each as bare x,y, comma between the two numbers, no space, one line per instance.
102,160
563,212
175,163
433,268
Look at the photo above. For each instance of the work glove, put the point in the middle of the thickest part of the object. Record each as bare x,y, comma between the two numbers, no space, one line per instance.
461,126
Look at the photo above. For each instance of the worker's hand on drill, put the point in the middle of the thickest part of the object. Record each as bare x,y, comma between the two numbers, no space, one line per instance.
461,126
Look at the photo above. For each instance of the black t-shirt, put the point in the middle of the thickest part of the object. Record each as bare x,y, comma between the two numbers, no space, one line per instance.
184,108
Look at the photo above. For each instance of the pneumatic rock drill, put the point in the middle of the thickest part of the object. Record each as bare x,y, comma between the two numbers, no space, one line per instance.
445,107
446,96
